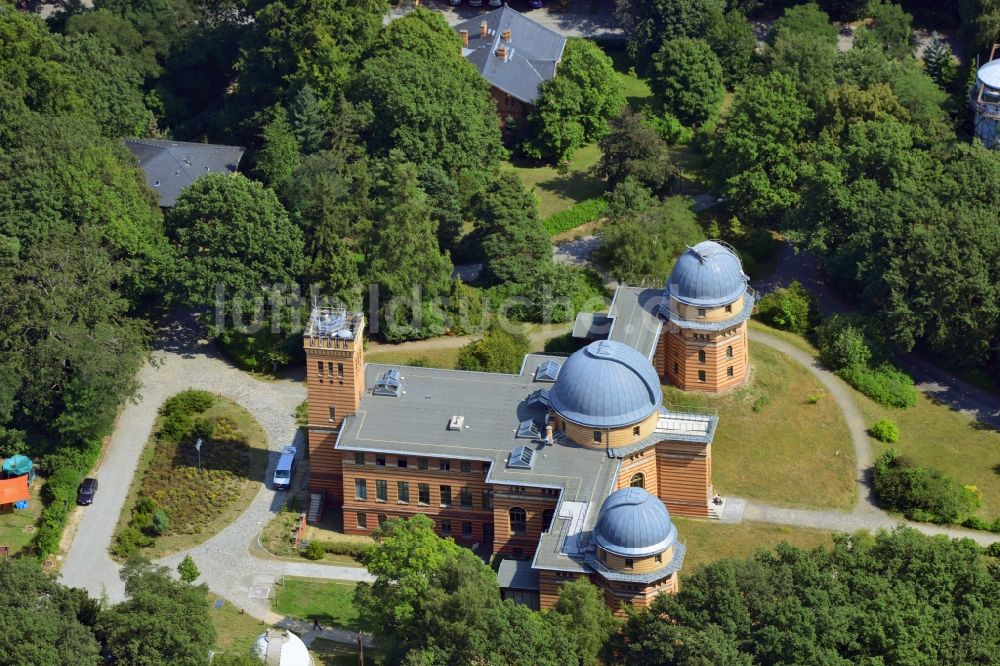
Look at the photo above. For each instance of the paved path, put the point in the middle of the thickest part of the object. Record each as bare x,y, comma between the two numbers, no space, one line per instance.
182,361
866,514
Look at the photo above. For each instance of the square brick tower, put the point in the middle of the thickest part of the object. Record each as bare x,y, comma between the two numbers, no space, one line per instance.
335,382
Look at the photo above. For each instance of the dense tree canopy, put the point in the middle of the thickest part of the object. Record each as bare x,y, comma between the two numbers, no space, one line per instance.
687,78
897,598
514,243
649,23
634,148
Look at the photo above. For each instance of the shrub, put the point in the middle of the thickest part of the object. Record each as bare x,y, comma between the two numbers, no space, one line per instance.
188,570
497,351
994,549
315,550
842,344
885,385
791,308
920,493
885,430
191,401
583,212
355,549
66,469
160,522
670,128
129,541
814,398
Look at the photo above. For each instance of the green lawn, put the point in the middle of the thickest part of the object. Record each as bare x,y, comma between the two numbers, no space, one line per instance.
328,653
306,598
433,358
557,191
789,452
235,631
233,463
17,526
710,540
933,435
637,91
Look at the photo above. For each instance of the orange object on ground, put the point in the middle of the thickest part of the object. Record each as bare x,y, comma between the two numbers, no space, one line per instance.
14,490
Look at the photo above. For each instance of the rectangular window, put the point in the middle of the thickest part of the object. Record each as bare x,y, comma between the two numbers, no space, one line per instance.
729,308
486,468
424,493
363,520
333,414
319,367
329,367
340,370
444,465
381,490
466,467
445,495
677,368
421,463
466,497
359,459
701,312
379,460
658,558
635,431
487,499
597,436
445,527
360,489
629,563
403,492
401,462
602,555
467,530
701,375
729,371
381,519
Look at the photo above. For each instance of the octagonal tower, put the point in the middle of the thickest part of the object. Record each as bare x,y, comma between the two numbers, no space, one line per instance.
706,305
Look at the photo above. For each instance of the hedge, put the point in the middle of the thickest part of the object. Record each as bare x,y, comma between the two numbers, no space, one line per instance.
355,549
586,211
885,384
66,469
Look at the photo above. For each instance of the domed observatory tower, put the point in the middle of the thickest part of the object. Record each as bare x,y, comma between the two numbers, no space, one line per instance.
707,303
985,100
635,552
607,396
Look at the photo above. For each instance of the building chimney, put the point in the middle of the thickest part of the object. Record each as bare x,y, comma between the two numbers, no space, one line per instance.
482,29
505,34
465,38
502,52
550,435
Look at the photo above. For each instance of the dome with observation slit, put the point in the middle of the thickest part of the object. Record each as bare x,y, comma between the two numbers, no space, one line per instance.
634,523
708,275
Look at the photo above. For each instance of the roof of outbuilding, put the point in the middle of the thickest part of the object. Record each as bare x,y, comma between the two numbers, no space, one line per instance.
533,52
170,166
709,274
634,523
606,384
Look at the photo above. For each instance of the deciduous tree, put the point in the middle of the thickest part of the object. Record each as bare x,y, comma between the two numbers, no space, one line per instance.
634,149
514,243
687,78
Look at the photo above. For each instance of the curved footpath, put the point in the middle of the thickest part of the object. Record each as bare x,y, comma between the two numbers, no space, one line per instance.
181,361
866,514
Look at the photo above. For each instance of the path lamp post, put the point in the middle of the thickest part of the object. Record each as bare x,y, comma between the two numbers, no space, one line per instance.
197,446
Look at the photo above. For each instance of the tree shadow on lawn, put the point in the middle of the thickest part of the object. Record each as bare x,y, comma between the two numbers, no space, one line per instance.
575,185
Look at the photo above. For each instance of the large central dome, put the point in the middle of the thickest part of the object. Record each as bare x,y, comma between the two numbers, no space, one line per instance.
707,275
634,523
606,384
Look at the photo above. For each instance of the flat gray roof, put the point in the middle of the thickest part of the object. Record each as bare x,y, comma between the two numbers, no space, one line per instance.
636,321
591,326
517,575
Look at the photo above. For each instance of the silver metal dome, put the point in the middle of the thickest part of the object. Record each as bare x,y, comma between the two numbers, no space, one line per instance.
634,523
707,275
606,384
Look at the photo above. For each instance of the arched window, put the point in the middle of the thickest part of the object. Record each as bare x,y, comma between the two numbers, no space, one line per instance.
547,516
729,351
638,480
518,520
701,355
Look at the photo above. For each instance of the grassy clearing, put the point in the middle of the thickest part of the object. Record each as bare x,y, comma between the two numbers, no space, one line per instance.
555,190
328,653
17,526
307,598
235,631
709,540
433,358
933,435
773,444
637,91
233,462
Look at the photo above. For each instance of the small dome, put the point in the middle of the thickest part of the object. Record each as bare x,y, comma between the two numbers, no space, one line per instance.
606,384
989,74
634,523
707,275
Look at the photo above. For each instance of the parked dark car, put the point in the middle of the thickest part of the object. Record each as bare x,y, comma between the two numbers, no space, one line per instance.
88,489
535,4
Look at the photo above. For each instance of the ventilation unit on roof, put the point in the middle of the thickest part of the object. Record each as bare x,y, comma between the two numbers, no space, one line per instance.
521,458
388,384
529,429
329,323
456,423
539,398
547,372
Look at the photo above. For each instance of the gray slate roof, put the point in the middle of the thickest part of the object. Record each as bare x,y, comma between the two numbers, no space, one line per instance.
634,318
170,166
533,52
